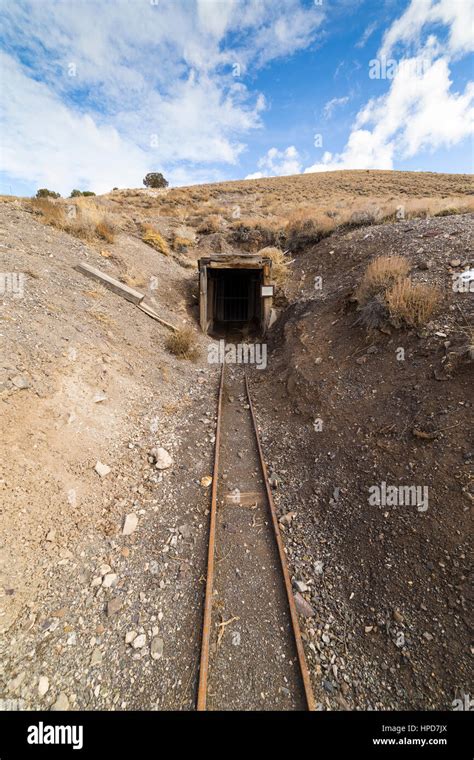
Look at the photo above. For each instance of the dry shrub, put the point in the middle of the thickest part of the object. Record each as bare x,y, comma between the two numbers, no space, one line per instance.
252,235
181,244
105,230
155,239
51,213
412,303
279,264
381,274
182,343
303,231
211,224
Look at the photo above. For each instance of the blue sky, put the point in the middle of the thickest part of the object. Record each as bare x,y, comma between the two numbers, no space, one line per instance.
95,93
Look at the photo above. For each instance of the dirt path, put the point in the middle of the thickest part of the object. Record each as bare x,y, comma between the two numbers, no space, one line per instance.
253,657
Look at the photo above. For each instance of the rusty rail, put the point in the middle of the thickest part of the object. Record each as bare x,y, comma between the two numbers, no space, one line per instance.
310,701
206,627
206,631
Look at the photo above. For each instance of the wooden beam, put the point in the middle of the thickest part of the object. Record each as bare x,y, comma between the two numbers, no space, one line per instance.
109,282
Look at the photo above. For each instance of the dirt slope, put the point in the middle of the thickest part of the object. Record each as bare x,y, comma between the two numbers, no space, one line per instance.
95,619
389,585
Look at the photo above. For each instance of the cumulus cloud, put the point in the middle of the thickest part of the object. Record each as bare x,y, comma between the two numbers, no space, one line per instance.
278,163
420,110
156,82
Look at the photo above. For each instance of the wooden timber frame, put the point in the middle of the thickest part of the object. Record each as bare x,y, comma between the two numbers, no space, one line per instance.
209,265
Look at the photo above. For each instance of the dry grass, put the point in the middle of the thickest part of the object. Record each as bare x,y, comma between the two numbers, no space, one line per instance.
182,344
84,218
133,280
211,224
182,244
381,274
105,230
412,303
279,263
155,239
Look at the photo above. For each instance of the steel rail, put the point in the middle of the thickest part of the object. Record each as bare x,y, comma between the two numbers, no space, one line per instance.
207,621
310,701
206,628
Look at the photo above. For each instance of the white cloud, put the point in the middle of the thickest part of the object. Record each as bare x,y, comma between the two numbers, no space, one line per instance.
457,15
368,32
278,163
155,81
49,144
331,105
420,110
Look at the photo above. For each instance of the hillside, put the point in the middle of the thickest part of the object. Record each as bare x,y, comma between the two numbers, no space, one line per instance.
87,377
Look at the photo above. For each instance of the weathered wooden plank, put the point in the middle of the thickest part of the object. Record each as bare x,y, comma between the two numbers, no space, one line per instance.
135,296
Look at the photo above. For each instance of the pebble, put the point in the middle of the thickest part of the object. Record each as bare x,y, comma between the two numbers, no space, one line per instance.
102,469
130,524
163,459
129,636
139,641
303,607
301,586
62,703
156,648
206,481
114,606
110,580
20,382
43,685
96,658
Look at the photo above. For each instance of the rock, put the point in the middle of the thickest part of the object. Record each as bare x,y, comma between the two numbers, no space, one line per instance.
318,567
301,586
51,535
424,265
139,641
206,481
110,580
114,606
368,628
428,636
43,685
288,518
326,638
303,607
99,397
156,648
16,682
273,480
102,469
62,703
20,382
96,658
328,687
398,617
455,263
130,524
186,531
163,460
129,636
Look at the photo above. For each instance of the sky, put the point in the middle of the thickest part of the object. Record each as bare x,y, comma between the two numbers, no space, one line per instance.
96,93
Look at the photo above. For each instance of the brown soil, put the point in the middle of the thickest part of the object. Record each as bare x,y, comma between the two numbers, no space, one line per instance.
374,573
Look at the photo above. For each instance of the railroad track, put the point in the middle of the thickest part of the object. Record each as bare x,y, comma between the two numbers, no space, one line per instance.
252,655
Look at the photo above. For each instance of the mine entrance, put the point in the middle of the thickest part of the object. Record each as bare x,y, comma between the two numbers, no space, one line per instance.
234,294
